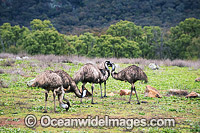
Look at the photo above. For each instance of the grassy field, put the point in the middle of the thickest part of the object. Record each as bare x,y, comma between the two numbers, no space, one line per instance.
17,100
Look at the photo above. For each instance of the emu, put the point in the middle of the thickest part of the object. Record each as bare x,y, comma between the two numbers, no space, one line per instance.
103,67
130,74
50,81
92,74
69,85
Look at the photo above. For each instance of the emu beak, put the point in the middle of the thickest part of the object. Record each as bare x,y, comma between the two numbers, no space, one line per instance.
84,93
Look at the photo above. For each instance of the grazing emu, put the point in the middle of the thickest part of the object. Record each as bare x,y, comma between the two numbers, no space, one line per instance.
92,74
130,74
69,85
50,81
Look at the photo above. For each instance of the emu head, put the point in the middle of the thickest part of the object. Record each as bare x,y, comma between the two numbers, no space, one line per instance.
31,83
108,64
65,106
84,93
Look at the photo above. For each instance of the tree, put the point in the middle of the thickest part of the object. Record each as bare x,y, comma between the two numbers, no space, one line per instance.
109,46
127,29
44,39
11,37
182,38
84,43
194,49
38,24
151,43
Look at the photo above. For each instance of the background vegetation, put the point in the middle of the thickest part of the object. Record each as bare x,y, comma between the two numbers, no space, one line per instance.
78,16
123,39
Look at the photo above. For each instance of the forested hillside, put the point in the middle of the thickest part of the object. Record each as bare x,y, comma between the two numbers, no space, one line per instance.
78,16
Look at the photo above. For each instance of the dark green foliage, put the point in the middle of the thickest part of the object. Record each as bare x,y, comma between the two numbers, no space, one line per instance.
184,39
109,46
44,39
11,37
149,38
123,39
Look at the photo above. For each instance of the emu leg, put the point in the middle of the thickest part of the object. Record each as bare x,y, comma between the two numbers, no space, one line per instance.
105,89
83,86
136,95
92,87
54,100
131,94
67,101
61,97
101,90
46,96
63,104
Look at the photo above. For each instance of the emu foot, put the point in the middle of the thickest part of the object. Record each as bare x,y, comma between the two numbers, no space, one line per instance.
94,103
67,109
138,103
128,102
105,96
101,97
45,111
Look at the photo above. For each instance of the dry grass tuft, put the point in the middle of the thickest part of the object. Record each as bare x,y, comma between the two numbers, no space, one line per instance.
1,71
2,84
49,59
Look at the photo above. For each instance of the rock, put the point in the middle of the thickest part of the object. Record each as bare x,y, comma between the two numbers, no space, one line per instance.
126,92
197,79
25,57
110,94
153,66
177,92
152,92
193,95
18,58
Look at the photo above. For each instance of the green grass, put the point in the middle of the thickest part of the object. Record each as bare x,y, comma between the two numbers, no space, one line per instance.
18,100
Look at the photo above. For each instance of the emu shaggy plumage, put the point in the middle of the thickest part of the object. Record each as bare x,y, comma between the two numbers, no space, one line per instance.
50,81
93,74
130,74
68,83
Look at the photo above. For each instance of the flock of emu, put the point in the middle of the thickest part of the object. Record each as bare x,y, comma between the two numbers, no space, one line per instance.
59,82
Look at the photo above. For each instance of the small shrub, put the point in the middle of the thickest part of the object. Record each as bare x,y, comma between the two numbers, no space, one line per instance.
7,63
3,85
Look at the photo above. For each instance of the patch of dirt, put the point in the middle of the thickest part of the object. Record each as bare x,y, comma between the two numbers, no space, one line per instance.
21,103
10,121
121,98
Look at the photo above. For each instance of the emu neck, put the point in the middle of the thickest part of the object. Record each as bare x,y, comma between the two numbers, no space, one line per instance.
76,90
114,75
108,73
